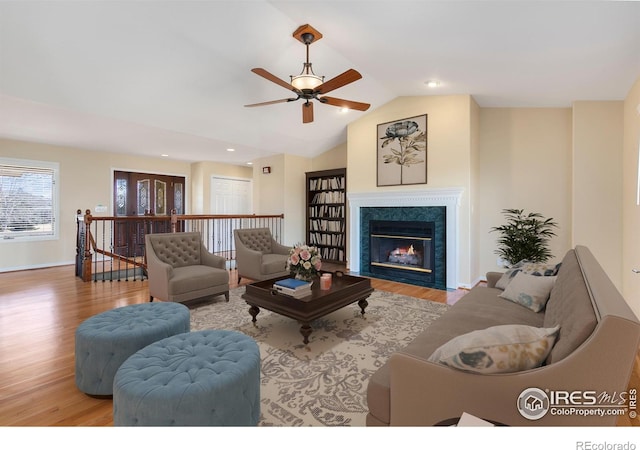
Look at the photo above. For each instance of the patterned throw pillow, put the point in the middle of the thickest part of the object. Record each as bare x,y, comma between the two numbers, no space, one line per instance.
530,268
510,273
531,291
499,349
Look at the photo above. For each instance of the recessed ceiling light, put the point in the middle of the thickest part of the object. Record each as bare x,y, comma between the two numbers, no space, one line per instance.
344,110
164,155
231,149
432,83
250,163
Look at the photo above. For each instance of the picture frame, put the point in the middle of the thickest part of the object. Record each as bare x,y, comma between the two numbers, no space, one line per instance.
402,152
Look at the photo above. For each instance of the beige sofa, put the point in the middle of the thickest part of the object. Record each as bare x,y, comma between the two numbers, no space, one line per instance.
594,354
180,268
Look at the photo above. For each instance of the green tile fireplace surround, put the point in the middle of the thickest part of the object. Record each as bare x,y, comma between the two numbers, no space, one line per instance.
439,208
435,215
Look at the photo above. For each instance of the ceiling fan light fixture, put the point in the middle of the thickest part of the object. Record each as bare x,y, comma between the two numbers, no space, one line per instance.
306,81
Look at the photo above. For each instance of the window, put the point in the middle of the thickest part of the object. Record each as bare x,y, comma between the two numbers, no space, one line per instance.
28,199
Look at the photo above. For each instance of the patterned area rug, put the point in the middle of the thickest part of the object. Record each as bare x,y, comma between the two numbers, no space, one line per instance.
324,383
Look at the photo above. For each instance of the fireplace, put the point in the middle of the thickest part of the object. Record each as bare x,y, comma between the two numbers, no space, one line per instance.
402,248
437,205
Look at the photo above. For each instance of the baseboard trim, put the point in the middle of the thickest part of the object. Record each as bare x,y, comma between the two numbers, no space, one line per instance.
36,266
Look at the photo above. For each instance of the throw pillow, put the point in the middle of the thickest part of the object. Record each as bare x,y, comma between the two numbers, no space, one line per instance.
530,268
541,270
510,273
531,291
498,349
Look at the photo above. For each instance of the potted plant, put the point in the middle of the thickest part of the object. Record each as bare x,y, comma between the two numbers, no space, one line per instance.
524,237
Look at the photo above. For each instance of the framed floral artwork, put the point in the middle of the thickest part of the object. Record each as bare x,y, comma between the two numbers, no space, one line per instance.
402,152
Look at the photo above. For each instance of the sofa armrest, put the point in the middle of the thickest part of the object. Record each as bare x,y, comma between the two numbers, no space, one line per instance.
278,248
159,274
211,260
492,278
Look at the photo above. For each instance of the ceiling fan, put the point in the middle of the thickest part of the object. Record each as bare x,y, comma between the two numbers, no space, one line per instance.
309,86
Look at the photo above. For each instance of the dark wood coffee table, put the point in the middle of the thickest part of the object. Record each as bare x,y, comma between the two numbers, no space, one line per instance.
345,290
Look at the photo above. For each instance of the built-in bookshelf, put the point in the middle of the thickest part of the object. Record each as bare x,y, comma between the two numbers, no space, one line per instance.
326,212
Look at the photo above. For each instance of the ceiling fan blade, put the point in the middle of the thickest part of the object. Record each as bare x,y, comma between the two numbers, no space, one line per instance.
307,112
271,77
343,79
272,102
341,103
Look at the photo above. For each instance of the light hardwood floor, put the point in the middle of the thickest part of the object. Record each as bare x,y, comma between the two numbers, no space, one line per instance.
39,312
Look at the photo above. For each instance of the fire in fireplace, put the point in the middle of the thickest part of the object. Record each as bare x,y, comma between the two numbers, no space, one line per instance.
402,248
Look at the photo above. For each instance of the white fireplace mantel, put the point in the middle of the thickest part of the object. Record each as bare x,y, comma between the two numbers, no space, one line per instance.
448,197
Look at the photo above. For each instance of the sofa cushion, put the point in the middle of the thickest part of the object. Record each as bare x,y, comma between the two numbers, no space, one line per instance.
499,349
530,291
570,307
273,263
177,250
258,239
479,309
194,278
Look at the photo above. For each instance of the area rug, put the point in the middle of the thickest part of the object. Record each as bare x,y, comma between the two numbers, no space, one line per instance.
323,383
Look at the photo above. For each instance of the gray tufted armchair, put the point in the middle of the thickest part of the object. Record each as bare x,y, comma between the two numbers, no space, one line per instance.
180,268
258,255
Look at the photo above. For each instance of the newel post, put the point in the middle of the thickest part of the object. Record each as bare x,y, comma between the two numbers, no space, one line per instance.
174,221
86,263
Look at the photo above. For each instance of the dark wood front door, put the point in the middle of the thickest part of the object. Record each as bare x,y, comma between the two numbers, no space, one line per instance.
143,195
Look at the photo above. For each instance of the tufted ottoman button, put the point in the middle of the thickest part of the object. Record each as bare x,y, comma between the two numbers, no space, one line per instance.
103,342
203,378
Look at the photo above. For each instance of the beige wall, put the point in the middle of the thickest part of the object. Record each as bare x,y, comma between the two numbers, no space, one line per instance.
630,210
449,151
268,188
336,158
525,163
282,191
597,182
86,180
474,174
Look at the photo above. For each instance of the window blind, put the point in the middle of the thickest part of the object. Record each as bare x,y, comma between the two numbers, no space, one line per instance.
27,200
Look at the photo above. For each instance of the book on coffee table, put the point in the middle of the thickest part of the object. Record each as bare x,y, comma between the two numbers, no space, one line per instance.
292,283
294,288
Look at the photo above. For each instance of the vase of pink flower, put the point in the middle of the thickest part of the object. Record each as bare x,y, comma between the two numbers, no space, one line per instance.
304,262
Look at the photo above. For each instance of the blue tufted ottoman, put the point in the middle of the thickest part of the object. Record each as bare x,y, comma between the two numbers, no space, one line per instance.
209,377
105,341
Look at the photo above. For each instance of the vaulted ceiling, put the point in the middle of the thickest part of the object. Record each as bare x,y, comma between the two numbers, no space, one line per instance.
172,77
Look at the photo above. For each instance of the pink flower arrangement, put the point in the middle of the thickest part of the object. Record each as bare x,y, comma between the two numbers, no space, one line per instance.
304,261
